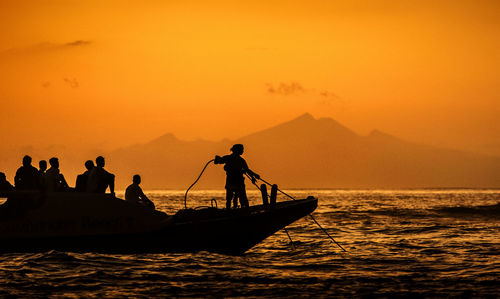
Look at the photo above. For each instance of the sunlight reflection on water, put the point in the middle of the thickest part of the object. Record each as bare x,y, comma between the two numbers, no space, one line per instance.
400,242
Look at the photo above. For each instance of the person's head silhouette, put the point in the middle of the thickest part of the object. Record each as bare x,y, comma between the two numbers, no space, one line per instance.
54,162
89,164
3,178
237,149
99,161
26,160
136,179
42,165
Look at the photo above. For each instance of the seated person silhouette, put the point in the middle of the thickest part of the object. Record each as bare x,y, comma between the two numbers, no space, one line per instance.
54,181
235,167
27,177
82,179
134,193
42,166
4,184
100,179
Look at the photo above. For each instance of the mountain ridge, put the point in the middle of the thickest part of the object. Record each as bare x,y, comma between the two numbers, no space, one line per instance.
309,153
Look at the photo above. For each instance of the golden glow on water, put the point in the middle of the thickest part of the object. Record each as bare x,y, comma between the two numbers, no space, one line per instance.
399,243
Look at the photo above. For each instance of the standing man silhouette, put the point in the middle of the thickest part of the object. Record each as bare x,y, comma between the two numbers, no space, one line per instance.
235,167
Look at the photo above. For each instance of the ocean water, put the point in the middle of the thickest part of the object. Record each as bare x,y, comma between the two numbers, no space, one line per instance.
420,243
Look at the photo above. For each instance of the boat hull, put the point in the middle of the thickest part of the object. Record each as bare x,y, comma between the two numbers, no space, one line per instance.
223,231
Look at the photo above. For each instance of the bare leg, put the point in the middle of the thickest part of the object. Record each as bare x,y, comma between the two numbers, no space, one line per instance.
229,196
242,194
235,200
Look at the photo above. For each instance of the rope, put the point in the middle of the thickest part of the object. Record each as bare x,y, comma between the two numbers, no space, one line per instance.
185,195
291,241
253,182
286,231
289,196
310,215
212,202
324,230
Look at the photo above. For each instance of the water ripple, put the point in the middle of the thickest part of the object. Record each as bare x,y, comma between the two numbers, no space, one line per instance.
421,243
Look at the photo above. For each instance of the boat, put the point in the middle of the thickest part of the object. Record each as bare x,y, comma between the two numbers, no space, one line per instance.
31,221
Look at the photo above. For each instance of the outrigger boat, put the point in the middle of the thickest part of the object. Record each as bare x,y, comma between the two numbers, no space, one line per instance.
86,222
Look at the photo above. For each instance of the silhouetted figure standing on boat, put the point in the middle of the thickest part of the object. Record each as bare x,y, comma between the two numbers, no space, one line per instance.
83,179
235,167
4,184
134,193
42,166
100,179
27,177
54,181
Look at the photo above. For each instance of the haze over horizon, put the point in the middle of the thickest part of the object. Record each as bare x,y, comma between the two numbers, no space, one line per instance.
304,152
95,148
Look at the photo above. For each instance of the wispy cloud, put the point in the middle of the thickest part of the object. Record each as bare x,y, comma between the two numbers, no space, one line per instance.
77,43
45,47
328,94
285,89
296,88
72,82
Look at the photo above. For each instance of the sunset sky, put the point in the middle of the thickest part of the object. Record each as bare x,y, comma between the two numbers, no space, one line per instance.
107,74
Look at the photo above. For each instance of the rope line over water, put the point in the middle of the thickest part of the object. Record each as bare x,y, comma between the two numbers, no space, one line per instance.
310,215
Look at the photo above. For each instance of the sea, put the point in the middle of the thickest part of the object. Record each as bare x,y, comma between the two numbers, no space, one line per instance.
399,243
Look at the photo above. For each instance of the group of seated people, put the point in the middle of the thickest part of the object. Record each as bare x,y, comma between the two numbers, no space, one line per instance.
94,180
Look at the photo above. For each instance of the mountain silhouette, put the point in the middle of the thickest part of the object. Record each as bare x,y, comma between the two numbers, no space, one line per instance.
309,153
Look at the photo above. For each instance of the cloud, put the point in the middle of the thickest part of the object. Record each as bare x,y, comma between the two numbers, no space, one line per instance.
44,47
328,94
77,43
73,83
48,46
285,89
45,84
294,88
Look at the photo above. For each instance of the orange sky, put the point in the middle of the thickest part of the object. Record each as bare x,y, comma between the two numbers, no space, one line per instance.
107,74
